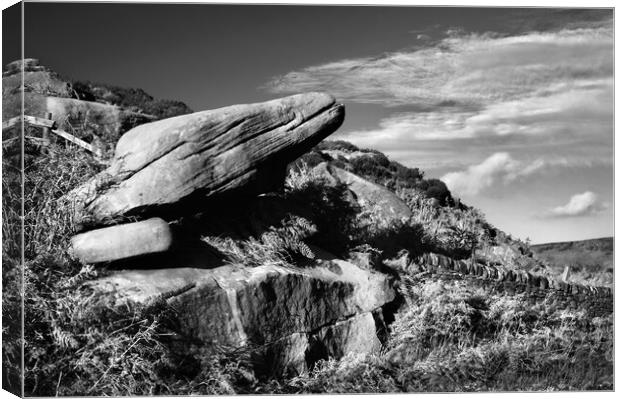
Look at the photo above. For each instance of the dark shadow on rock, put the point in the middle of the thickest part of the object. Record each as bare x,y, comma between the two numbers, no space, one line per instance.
389,310
316,351
195,254
241,218
267,179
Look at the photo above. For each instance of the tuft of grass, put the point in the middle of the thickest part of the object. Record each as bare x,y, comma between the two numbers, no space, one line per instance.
282,245
354,373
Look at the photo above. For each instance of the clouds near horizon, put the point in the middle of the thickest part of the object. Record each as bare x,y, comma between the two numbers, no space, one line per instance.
586,203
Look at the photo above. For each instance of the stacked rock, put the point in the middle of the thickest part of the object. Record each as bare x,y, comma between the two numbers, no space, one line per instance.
179,166
25,65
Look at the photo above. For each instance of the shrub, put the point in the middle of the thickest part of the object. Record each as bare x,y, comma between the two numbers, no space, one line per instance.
129,98
376,167
309,160
341,145
435,188
333,212
388,236
166,108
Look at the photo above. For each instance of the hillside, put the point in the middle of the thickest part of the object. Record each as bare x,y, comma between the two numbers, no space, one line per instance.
236,251
375,166
97,113
604,245
588,259
131,98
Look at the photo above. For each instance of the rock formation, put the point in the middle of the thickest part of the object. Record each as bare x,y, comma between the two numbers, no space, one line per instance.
26,64
166,166
297,315
173,171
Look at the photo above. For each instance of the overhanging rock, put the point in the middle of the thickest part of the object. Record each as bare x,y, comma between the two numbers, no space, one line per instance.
176,163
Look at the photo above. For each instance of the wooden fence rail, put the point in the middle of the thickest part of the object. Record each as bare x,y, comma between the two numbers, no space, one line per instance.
48,126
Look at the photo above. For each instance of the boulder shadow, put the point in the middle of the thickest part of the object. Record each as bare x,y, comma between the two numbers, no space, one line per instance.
195,254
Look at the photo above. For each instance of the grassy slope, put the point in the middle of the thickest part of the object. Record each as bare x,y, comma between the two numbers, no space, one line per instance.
447,336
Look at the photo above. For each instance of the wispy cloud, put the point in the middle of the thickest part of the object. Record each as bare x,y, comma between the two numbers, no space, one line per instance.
464,69
499,167
586,203
533,94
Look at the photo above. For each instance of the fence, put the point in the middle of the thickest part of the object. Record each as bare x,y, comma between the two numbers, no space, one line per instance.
48,126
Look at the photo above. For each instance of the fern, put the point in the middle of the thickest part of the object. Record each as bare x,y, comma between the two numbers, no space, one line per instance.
282,245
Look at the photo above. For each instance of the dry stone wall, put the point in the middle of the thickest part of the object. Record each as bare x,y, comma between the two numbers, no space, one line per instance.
597,301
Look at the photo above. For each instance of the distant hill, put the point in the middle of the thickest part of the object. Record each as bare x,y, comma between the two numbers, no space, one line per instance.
605,244
588,258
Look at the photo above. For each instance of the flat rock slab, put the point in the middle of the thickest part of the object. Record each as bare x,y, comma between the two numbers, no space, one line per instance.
122,241
181,161
289,308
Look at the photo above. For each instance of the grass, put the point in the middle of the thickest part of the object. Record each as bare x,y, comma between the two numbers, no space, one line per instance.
75,341
450,338
446,337
282,245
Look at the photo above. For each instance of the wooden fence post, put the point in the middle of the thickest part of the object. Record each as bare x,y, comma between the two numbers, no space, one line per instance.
46,133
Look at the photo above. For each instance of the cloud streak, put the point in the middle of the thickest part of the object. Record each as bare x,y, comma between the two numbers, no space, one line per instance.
536,94
474,68
586,203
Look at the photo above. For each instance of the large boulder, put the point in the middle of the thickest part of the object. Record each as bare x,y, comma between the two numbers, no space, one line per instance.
296,315
175,164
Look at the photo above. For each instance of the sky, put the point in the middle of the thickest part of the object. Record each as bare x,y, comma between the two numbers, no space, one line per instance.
512,108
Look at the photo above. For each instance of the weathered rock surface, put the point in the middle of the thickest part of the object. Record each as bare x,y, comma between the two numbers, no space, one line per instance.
389,206
181,161
299,314
122,241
